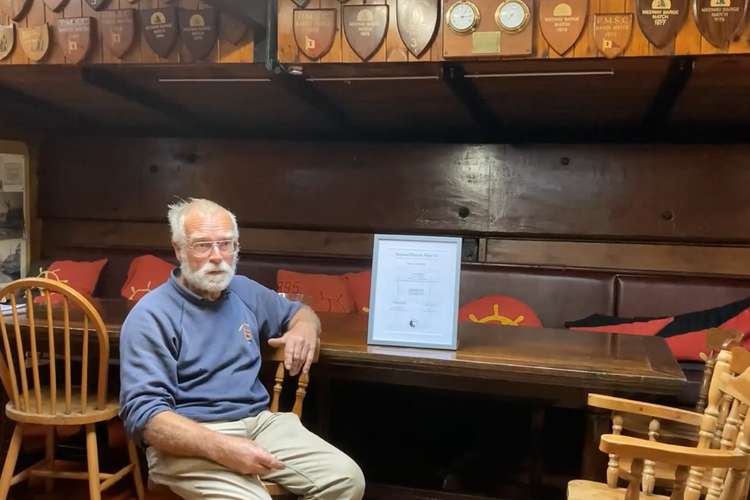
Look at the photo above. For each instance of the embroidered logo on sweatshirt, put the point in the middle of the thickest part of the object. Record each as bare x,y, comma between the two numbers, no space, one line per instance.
245,330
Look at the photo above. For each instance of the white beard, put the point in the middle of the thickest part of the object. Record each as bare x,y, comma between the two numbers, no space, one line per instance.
212,283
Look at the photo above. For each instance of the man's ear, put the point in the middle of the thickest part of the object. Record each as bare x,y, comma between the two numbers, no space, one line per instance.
176,249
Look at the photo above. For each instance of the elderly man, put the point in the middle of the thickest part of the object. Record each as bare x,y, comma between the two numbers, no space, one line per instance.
189,362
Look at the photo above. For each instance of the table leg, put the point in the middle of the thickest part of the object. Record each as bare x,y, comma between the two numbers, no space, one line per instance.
594,462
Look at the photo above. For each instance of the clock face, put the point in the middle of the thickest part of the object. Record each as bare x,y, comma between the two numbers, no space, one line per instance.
463,17
512,15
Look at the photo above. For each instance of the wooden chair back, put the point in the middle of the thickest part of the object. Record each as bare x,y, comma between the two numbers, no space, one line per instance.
280,377
716,340
30,340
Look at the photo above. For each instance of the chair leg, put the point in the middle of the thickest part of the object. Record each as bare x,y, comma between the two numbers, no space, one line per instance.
10,461
137,478
92,458
49,456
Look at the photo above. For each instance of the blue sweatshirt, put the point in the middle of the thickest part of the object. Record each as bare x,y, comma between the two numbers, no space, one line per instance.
198,358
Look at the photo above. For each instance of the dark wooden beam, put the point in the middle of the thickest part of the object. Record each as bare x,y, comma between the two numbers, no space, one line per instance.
676,78
38,113
184,120
467,93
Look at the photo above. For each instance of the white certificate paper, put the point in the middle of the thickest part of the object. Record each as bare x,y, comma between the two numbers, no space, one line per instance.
414,291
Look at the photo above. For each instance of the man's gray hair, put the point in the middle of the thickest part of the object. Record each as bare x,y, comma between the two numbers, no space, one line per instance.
206,208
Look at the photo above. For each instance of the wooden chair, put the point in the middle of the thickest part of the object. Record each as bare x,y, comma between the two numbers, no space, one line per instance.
718,425
29,371
275,356
673,426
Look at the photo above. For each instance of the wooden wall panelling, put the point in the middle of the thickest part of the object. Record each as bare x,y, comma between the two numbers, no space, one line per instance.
688,40
95,53
286,47
244,52
18,56
726,260
585,47
351,186
74,8
639,44
335,54
5,20
70,234
436,51
742,43
55,54
396,51
107,56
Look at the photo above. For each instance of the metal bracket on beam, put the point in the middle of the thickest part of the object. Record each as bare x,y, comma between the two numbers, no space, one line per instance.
678,74
183,119
467,93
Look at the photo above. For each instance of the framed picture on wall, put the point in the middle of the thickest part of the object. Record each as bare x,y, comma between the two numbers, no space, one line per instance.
414,291
14,229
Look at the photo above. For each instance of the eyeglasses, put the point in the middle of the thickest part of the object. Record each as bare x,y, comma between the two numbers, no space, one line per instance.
204,248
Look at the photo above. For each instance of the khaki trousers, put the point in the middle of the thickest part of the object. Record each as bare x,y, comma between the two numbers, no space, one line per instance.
314,468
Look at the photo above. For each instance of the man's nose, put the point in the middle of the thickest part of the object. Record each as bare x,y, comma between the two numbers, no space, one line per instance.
215,255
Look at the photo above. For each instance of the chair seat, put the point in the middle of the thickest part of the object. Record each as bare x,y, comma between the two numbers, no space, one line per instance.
75,417
580,489
161,492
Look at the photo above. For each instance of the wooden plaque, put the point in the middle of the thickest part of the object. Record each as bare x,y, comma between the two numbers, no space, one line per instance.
34,41
661,20
160,29
562,22
417,23
55,5
96,4
720,21
7,40
612,33
118,30
199,31
300,3
315,31
75,35
365,27
231,29
15,9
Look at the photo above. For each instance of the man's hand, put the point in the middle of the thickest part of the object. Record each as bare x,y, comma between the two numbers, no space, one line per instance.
244,456
300,343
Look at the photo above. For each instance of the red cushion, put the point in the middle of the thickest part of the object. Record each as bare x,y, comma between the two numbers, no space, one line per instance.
499,310
359,289
322,292
80,275
144,274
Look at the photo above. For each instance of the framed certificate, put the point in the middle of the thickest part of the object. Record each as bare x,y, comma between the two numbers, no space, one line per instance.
414,291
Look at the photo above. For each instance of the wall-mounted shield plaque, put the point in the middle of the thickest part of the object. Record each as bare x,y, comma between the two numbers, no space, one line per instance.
612,33
314,31
562,22
365,27
160,29
96,4
75,35
231,29
34,41
15,9
661,20
300,3
118,30
417,23
55,5
199,31
7,40
720,21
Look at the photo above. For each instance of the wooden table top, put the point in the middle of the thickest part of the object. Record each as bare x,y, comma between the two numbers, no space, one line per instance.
548,356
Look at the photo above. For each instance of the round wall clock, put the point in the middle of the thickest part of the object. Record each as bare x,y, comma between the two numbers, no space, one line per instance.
462,17
512,15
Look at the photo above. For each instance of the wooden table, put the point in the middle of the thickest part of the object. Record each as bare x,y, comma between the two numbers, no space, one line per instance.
552,367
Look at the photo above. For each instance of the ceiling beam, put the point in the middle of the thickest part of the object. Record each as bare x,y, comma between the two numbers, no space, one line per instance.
41,111
303,90
469,96
183,119
675,80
